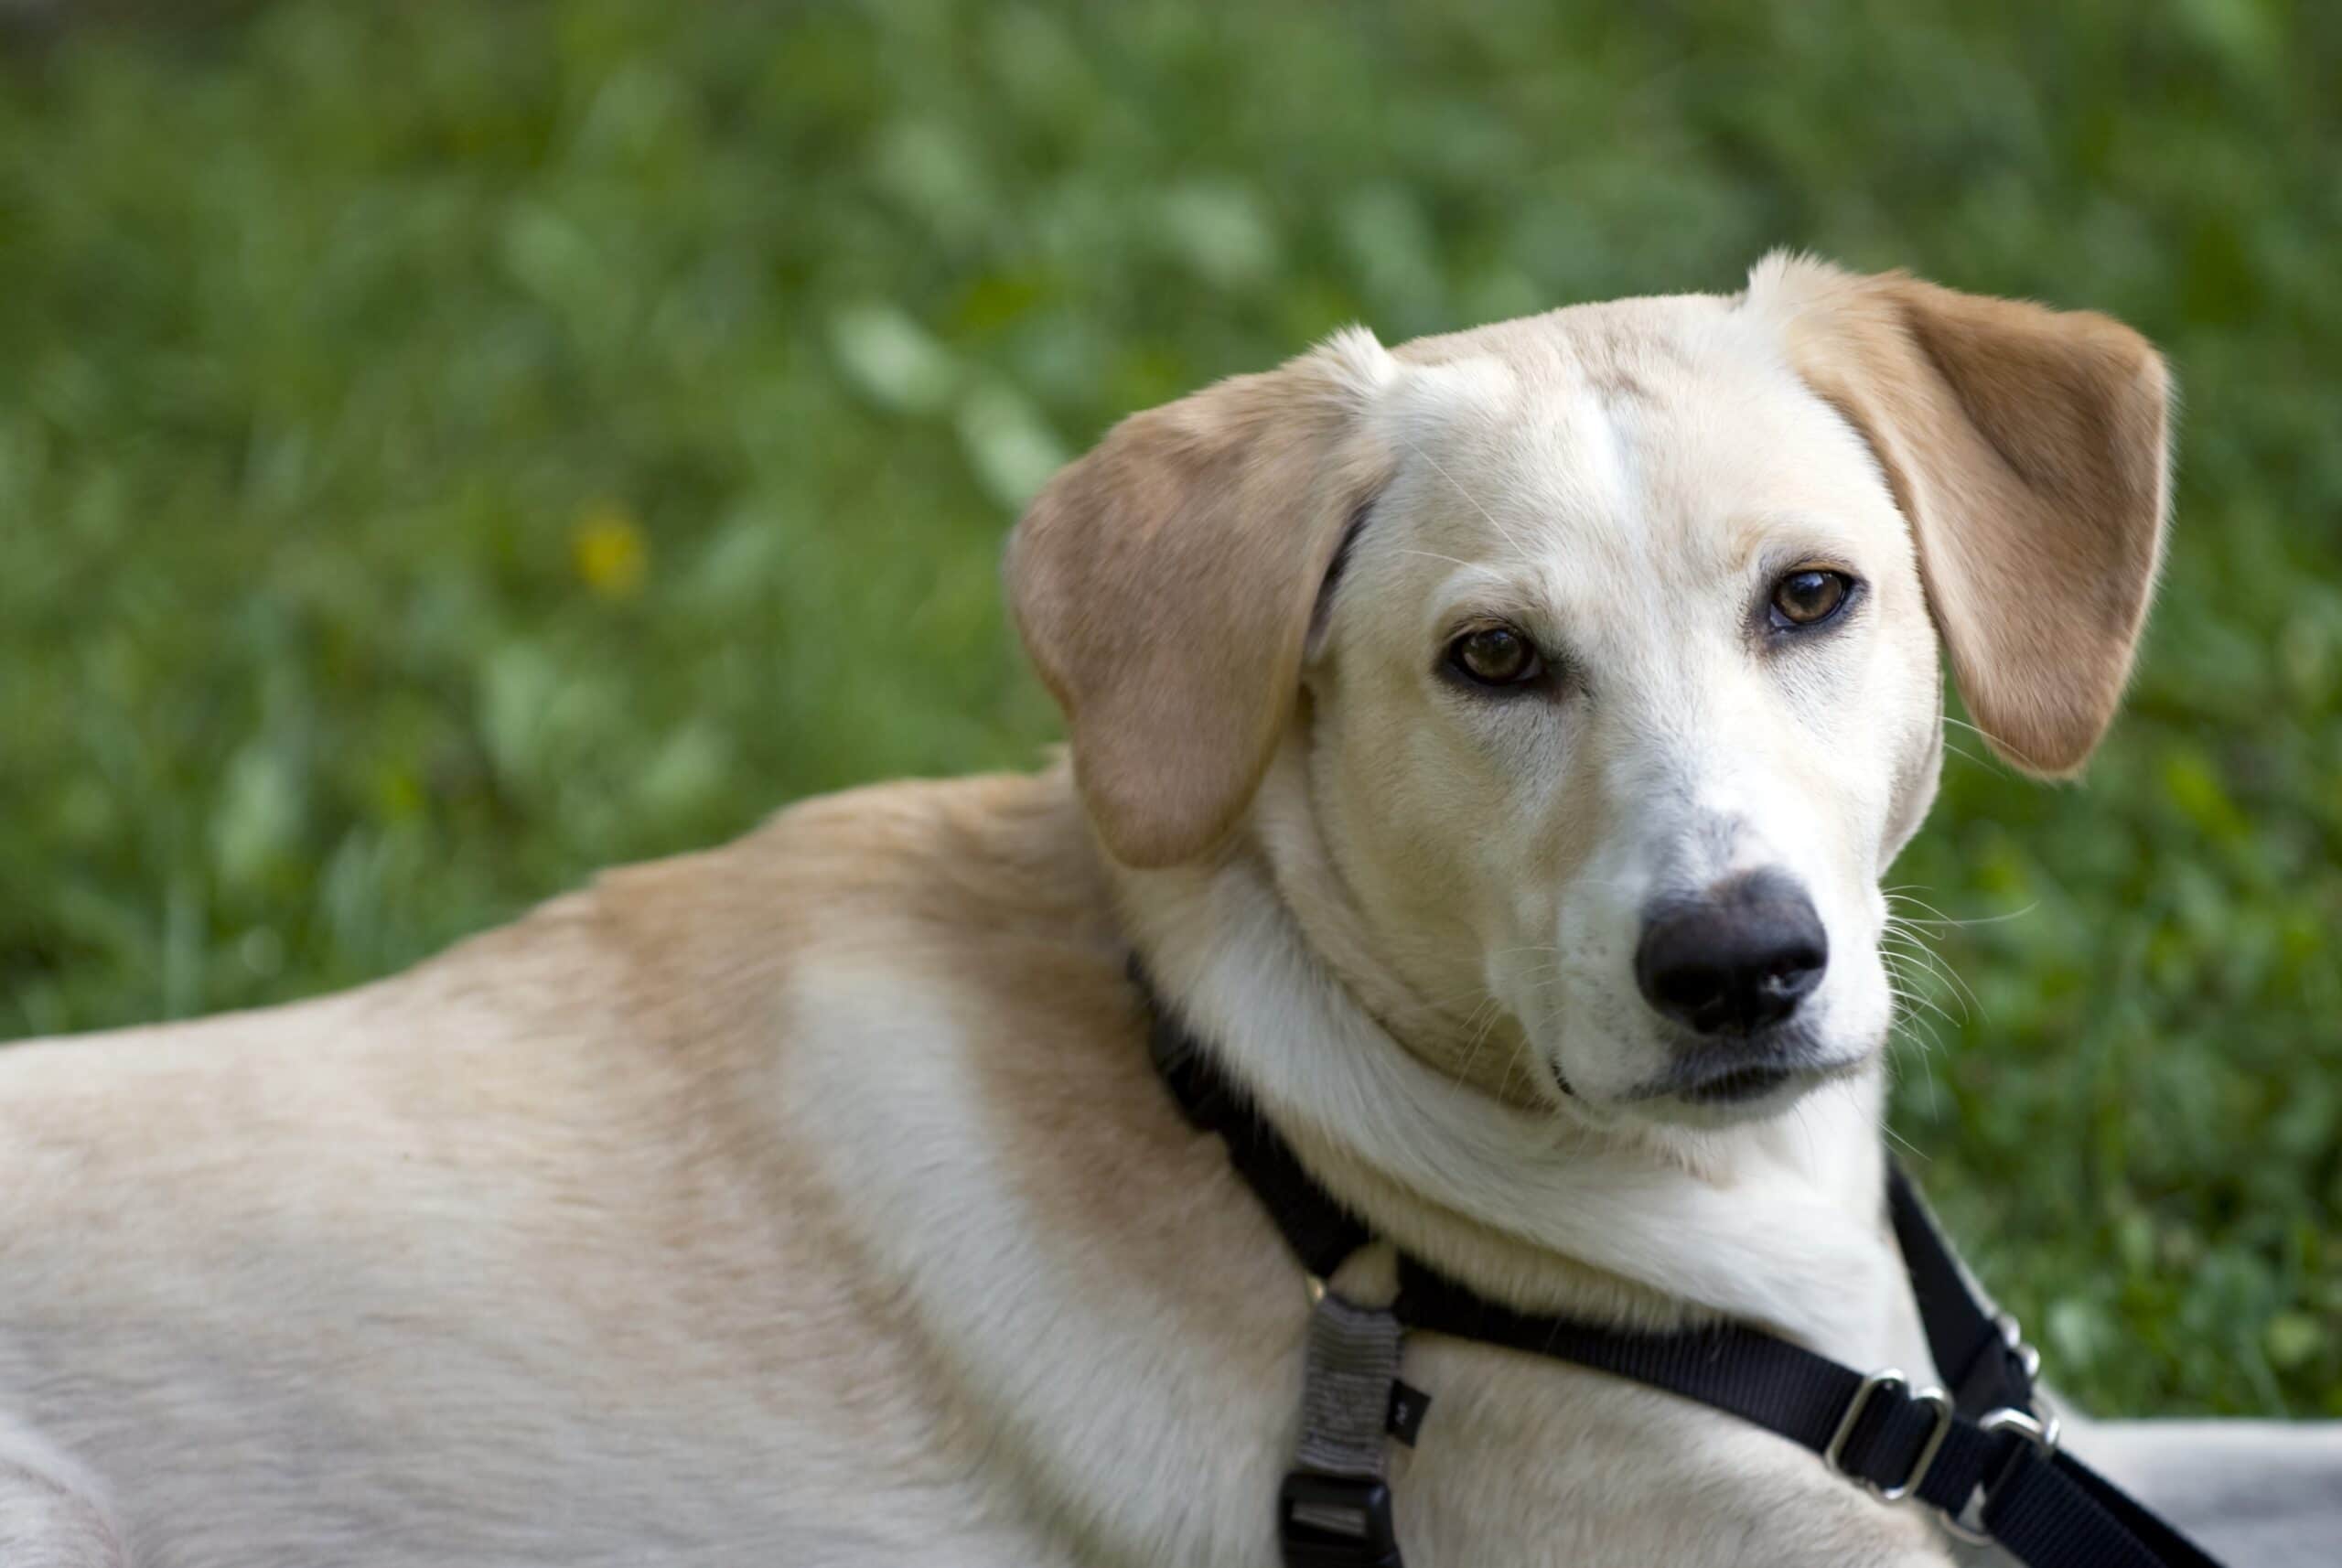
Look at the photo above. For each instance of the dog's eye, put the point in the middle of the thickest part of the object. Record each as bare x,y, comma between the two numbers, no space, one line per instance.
1495,656
1809,598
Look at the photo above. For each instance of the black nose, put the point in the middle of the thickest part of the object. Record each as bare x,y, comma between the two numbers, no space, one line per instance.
1737,960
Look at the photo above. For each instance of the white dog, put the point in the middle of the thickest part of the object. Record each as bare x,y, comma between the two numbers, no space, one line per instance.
1491,747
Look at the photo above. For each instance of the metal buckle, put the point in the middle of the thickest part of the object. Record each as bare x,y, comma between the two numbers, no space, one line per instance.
2013,1335
2042,1434
1957,1523
1889,1380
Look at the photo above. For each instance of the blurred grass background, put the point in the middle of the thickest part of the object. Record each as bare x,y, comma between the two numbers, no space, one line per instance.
445,449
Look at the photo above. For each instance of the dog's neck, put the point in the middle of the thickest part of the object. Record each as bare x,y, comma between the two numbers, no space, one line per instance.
1778,1223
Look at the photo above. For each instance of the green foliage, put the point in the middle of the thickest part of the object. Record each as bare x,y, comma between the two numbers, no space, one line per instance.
448,448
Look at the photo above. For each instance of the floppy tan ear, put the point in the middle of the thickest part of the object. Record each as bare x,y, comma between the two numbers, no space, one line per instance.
1164,586
2028,448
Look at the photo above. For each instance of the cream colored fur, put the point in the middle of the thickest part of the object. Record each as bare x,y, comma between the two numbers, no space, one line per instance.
811,1201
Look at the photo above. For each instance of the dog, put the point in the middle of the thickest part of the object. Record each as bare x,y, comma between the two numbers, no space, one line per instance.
1492,747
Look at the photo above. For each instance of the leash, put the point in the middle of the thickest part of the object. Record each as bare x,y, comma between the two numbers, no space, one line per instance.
1978,1454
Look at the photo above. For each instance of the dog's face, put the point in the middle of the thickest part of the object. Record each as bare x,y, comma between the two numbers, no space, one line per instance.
1623,699
1608,642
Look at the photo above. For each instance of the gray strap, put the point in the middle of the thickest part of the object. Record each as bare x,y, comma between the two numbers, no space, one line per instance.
1352,1358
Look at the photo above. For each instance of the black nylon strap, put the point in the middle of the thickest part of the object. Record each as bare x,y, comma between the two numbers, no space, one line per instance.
2048,1510
2053,1513
1980,1364
1320,1232
1782,1387
2060,1513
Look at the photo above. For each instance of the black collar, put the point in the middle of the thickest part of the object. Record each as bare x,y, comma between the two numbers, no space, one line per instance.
1978,1454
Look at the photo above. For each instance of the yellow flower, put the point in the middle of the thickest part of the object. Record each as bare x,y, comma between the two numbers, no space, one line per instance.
609,552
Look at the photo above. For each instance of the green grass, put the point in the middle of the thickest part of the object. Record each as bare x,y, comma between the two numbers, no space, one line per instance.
445,449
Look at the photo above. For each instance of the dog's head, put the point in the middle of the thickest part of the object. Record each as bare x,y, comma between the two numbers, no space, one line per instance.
1608,642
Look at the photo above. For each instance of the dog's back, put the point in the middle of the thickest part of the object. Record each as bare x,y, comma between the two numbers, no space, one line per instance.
511,1256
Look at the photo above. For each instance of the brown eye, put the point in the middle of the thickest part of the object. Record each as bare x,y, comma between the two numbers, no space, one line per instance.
1809,597
1495,656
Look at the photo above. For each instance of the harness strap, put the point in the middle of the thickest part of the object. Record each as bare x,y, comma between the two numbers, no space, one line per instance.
1351,1363
1320,1232
1334,1510
2043,1507
1980,1355
1980,1456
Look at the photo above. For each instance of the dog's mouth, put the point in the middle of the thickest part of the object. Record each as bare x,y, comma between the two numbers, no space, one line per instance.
1726,1095
1716,1091
1737,1085
1769,1071
1713,1081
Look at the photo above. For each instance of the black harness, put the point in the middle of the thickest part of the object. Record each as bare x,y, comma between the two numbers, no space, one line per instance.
1978,1454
